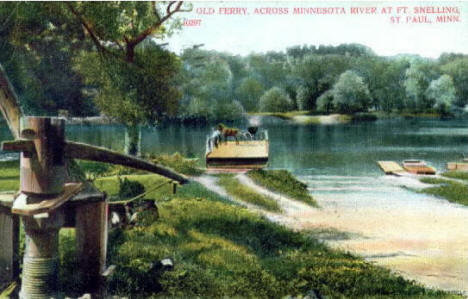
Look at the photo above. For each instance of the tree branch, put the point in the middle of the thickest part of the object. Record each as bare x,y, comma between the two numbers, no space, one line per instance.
150,30
88,28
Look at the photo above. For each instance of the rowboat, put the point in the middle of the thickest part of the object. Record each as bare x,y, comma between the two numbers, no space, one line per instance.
418,167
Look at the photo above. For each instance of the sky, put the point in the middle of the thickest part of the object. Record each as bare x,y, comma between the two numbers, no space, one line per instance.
387,27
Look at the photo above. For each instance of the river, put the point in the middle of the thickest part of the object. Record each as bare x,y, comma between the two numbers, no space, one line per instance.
419,236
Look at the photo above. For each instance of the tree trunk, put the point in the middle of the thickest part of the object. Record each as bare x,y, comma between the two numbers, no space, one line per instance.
133,140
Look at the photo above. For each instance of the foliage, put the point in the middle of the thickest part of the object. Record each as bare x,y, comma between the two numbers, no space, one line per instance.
418,77
283,182
275,100
350,93
247,194
178,163
303,98
37,55
325,102
129,188
249,92
94,170
129,92
208,88
457,68
442,93
229,111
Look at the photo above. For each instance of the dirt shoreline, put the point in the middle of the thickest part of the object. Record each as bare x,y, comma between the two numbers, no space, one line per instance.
428,244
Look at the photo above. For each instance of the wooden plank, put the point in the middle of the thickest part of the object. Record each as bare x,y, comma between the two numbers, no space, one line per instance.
390,167
242,149
20,145
419,169
9,234
458,166
22,207
91,238
88,152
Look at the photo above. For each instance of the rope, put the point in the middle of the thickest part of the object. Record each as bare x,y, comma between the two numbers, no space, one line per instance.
139,195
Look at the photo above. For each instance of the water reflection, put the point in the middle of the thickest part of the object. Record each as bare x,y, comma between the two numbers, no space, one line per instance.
350,149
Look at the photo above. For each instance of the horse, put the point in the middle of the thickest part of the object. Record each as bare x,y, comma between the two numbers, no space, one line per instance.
228,132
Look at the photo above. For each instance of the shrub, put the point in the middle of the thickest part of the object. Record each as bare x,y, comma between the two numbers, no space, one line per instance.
351,93
275,100
129,189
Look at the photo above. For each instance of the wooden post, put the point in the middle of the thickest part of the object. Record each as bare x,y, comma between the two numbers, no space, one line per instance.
41,259
42,176
91,239
9,231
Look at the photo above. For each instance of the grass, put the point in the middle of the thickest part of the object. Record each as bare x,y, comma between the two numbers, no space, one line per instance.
282,181
176,161
194,190
460,175
222,250
9,176
244,193
179,163
452,191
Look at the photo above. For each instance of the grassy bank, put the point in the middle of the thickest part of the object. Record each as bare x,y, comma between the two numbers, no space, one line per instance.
224,250
246,194
283,182
221,250
313,117
283,115
453,191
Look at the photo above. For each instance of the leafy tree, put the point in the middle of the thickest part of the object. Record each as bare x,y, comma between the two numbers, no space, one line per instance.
199,109
249,93
230,110
303,98
129,70
442,92
325,102
350,93
318,74
268,69
275,100
418,77
458,70
37,53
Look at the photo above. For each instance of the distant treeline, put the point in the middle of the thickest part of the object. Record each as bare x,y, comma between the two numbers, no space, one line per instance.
50,75
347,78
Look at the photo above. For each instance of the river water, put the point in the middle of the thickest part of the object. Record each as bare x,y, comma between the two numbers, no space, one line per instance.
419,236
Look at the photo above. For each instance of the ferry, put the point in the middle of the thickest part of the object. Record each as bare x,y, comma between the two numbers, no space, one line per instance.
248,150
